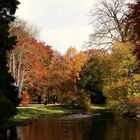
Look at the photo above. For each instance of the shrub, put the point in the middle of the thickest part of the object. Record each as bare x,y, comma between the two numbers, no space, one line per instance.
78,100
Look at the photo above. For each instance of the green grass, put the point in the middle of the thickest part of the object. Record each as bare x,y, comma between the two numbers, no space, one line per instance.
32,112
28,114
98,107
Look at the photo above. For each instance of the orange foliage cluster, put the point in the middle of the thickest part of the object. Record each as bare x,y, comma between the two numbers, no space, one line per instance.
64,70
38,59
25,98
29,61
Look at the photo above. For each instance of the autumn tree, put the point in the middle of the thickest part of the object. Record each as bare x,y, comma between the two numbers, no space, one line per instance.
75,61
55,77
29,60
59,74
38,61
119,76
132,22
132,30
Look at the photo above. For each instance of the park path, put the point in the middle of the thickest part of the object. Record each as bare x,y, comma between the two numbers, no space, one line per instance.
39,105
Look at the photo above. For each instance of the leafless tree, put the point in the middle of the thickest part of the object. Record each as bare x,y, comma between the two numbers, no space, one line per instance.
108,21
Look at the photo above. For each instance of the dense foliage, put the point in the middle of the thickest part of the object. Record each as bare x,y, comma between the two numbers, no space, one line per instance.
91,79
119,75
132,29
8,92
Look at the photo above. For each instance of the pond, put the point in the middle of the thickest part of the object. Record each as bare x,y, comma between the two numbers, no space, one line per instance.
79,127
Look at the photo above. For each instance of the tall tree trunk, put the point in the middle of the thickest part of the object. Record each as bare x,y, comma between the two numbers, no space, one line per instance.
19,68
14,66
21,82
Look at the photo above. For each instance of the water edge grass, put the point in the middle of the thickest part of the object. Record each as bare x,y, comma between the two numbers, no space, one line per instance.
26,115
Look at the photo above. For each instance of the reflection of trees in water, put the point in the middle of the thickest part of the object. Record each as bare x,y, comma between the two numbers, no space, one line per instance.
53,129
111,129
125,129
95,130
76,129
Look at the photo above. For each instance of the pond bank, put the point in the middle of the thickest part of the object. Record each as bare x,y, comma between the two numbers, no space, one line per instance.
29,114
33,112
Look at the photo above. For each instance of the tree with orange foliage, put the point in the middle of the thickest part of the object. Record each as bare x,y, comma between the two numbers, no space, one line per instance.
39,58
29,60
63,74
75,61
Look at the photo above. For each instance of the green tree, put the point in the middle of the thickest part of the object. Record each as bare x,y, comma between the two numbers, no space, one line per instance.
91,77
7,11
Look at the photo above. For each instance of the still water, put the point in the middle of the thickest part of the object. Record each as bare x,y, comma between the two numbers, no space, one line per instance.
79,127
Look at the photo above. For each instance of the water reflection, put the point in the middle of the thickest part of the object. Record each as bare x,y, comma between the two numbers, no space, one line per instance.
10,134
58,128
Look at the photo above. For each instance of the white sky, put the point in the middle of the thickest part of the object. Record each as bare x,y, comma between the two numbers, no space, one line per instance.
63,23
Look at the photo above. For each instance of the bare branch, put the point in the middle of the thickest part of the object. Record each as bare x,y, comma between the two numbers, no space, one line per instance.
108,20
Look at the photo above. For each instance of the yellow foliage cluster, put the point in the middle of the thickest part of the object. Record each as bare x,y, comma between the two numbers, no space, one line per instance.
120,79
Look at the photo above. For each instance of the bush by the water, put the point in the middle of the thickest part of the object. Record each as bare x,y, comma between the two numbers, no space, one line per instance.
79,100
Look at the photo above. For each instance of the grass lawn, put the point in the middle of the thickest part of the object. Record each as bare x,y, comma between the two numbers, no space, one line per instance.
98,107
28,114
33,112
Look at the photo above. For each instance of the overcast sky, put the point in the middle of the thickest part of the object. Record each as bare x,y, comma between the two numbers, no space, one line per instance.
62,23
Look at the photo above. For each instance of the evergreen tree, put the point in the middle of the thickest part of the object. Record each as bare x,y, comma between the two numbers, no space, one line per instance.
91,79
7,88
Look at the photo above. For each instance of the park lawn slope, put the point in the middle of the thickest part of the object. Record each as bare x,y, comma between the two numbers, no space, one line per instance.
33,112
27,115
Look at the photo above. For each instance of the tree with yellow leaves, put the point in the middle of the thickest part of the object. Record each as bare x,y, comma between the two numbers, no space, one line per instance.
119,75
